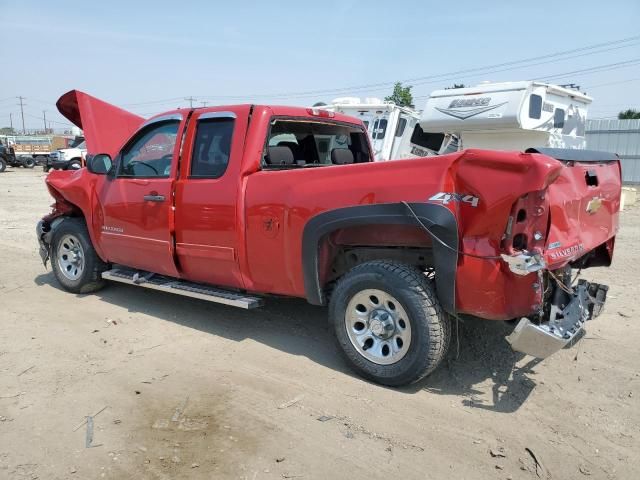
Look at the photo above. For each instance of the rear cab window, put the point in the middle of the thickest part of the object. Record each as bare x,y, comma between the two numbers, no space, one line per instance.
300,143
212,147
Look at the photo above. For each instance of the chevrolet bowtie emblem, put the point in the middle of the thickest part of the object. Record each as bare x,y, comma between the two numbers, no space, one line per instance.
594,205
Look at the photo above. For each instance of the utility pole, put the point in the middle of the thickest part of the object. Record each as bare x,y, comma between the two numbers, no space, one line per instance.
44,117
11,121
191,99
24,130
204,104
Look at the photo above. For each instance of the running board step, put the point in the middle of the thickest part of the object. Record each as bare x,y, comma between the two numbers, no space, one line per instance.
181,287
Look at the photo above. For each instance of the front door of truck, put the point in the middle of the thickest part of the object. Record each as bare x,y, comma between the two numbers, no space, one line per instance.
208,216
136,218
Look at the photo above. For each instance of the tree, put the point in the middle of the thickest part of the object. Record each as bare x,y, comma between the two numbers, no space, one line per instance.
629,114
456,85
401,96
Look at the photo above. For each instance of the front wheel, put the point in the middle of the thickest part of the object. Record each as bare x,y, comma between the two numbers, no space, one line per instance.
75,263
388,323
3,165
29,163
74,164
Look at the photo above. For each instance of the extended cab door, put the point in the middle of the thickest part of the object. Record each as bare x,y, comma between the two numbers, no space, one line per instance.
137,205
208,213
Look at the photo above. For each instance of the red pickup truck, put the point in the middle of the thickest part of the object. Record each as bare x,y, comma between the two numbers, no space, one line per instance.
231,204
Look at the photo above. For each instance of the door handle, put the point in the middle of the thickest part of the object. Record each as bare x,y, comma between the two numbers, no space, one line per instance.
153,198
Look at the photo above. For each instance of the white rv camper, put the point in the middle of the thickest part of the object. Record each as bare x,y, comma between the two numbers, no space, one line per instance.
509,116
393,130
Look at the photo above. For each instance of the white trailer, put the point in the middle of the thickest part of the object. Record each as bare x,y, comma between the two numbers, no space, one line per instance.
509,116
393,130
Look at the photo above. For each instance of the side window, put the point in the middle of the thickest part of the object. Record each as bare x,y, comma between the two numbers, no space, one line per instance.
402,123
558,118
535,106
151,151
311,143
212,148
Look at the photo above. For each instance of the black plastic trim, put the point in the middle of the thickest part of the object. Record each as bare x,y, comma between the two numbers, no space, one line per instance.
437,217
575,155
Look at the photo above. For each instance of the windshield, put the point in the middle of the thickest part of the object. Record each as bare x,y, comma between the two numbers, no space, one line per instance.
77,142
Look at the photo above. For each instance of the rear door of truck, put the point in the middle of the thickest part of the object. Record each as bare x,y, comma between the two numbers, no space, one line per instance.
206,196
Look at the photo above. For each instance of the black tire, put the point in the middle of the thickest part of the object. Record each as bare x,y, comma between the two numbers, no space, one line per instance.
28,163
3,164
46,168
429,325
74,164
90,279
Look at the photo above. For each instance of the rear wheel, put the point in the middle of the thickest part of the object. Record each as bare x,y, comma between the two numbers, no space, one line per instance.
29,163
3,164
75,263
388,323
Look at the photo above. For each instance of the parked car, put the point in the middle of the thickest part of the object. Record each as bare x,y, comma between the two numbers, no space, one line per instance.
233,204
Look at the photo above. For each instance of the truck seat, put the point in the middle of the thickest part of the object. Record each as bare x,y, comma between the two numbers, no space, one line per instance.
279,156
341,156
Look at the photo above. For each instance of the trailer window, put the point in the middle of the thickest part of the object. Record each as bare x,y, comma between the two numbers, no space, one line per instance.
558,118
294,144
432,141
379,128
402,123
212,148
535,106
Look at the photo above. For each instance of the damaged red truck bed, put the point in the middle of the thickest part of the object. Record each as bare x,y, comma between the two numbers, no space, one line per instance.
235,203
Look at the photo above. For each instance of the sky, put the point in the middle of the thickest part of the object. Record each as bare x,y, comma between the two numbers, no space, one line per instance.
148,57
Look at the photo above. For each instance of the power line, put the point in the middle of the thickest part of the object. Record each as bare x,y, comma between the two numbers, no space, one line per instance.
598,69
456,74
436,78
50,121
590,87
151,102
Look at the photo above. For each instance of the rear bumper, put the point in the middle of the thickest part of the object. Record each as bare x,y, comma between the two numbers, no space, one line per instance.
544,339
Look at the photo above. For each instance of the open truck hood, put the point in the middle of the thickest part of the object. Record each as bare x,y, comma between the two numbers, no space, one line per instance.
106,127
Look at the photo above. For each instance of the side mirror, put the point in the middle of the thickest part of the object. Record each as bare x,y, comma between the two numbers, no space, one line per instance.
100,164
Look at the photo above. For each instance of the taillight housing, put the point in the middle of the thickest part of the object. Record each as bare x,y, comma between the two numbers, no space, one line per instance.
528,224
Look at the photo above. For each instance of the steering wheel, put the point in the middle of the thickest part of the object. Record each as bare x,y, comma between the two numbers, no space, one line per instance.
140,162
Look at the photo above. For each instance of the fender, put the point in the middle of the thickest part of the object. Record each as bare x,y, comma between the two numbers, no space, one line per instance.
437,217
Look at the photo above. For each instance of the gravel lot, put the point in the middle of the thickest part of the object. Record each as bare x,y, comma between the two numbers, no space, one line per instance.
182,388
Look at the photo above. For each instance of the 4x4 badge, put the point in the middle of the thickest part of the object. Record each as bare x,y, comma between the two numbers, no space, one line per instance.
445,198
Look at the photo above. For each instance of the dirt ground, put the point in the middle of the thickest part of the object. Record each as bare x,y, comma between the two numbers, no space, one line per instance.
181,388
